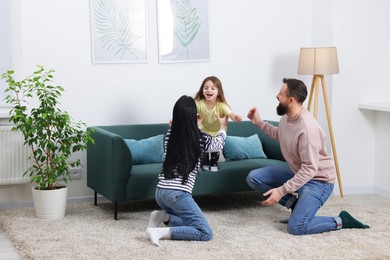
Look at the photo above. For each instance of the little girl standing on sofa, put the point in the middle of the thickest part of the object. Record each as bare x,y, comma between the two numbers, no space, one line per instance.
211,104
184,145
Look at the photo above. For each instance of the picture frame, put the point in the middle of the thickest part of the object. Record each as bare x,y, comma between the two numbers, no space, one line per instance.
118,31
183,30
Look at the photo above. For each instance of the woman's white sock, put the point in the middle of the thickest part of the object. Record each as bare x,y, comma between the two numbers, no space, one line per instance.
155,234
156,217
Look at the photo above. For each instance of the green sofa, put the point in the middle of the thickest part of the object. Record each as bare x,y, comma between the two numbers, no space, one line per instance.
110,171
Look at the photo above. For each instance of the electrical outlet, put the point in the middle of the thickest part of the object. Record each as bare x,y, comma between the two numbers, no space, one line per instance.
75,173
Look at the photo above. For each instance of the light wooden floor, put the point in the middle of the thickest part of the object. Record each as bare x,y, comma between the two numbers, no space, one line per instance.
7,251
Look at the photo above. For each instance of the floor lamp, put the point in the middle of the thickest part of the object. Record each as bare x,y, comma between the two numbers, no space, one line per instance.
319,62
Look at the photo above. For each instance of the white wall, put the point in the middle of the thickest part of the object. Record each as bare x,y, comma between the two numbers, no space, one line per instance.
253,45
362,35
382,144
5,54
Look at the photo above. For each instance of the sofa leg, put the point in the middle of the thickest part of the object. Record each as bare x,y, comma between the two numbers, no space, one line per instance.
116,211
95,198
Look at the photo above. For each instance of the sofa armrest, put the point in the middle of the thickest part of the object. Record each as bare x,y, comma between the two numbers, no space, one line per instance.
109,164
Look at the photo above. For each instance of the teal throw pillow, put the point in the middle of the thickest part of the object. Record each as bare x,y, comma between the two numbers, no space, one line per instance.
238,148
150,150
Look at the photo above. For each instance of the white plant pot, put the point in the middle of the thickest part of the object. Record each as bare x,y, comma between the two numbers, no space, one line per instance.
50,204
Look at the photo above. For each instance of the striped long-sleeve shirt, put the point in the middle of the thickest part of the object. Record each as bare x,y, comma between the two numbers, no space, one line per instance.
207,144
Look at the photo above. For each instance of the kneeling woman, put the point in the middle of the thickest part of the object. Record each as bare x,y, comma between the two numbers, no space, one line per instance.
184,146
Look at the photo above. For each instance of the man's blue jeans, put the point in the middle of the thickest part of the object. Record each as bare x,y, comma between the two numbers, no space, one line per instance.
311,197
186,219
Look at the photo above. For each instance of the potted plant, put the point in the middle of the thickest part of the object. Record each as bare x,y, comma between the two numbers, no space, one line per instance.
50,133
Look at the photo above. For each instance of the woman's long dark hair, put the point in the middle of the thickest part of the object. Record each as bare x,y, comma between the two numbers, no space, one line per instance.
183,149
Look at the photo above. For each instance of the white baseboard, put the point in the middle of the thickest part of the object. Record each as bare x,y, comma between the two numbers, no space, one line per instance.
381,192
362,190
354,190
30,204
16,205
100,198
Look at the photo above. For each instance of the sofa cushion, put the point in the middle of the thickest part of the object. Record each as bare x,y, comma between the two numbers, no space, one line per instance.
238,148
149,150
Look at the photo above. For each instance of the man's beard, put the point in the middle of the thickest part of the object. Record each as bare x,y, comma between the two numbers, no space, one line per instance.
281,110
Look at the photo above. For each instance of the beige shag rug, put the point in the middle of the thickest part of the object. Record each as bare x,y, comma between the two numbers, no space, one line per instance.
243,229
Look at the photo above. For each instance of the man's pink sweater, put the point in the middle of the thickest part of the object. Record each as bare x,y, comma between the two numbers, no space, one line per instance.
303,145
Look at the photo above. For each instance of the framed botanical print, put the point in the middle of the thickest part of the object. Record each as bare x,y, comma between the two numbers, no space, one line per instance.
183,30
118,31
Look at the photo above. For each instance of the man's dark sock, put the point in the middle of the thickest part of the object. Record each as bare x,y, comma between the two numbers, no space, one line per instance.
293,205
290,204
263,198
350,222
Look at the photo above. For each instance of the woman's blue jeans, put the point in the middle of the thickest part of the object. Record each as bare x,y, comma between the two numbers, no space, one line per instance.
186,219
311,197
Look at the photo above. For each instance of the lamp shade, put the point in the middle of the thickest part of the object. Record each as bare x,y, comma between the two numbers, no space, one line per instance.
318,61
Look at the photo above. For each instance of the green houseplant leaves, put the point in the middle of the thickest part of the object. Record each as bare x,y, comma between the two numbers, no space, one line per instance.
49,131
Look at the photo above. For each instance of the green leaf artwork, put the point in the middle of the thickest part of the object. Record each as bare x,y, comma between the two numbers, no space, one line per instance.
187,23
114,28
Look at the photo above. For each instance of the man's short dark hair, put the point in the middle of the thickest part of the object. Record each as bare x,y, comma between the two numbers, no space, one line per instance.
297,89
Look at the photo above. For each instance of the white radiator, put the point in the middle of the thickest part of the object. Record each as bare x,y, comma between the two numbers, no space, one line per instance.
13,157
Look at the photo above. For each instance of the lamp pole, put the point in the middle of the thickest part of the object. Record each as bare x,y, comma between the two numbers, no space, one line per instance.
317,80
